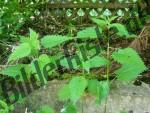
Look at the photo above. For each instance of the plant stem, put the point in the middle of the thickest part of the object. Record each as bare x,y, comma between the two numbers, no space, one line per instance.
108,65
107,70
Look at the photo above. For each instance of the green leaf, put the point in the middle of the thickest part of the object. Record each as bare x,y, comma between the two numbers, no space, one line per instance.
72,64
14,70
69,64
43,60
104,89
50,41
21,51
88,33
121,29
45,109
127,56
32,41
69,108
64,93
132,65
113,18
123,112
94,62
77,86
132,36
100,22
11,71
33,34
3,107
93,87
129,72
98,89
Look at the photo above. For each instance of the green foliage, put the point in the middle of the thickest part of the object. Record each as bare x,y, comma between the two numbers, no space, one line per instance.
21,51
102,23
98,89
4,107
77,86
33,41
69,108
88,33
42,61
45,109
123,112
94,62
132,65
121,29
64,93
53,40
29,46
14,71
130,61
74,90
107,24
113,18
64,62
12,17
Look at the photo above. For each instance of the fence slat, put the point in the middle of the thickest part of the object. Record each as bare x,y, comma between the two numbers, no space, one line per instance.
87,5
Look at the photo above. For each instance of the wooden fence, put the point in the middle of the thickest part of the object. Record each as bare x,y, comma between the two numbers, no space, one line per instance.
89,8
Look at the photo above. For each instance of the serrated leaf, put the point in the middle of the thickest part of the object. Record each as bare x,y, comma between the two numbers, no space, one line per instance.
77,86
64,93
121,29
69,108
132,65
98,89
127,56
14,70
11,71
21,51
45,109
32,41
33,34
43,60
88,33
94,62
69,64
105,89
113,18
100,22
93,87
129,72
50,41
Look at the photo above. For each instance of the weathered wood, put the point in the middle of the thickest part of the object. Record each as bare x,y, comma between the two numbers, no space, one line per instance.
87,5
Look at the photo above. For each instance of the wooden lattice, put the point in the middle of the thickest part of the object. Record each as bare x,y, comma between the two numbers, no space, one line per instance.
86,8
53,15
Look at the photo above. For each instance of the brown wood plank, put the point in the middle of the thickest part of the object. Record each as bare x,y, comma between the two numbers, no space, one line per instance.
87,5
